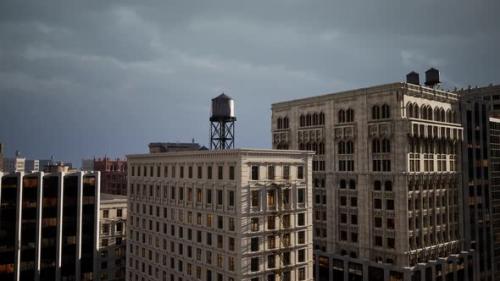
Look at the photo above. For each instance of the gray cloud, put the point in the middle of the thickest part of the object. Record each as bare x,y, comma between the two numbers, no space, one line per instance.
84,78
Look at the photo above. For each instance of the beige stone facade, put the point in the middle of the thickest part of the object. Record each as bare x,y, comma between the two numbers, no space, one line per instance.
112,237
225,215
387,181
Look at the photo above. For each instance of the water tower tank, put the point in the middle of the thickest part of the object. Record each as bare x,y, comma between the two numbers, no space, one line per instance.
413,78
432,77
222,108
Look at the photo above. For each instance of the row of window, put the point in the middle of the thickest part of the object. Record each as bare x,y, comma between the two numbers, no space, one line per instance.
271,172
176,171
187,194
413,110
314,119
271,195
207,220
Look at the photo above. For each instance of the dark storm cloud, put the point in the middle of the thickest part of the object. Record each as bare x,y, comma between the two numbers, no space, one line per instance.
84,78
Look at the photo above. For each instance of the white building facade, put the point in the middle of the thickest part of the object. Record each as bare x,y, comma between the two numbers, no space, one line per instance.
225,215
387,181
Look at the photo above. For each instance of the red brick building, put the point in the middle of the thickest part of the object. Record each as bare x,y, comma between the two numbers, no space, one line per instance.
113,175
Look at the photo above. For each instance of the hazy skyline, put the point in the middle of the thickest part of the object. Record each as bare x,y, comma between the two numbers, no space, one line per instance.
87,78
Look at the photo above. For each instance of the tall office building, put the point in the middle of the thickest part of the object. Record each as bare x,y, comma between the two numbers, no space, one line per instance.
226,215
113,175
495,192
481,185
387,181
112,237
476,165
49,226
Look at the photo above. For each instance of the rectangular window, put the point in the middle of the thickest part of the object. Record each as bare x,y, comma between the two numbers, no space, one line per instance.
300,172
254,264
271,222
200,172
209,172
220,173
209,196
254,224
231,198
182,172
301,195
255,198
173,171
286,172
270,172
220,197
254,244
190,172
255,172
231,172
301,221
165,171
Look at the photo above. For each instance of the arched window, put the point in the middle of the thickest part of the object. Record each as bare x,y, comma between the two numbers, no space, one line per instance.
321,118
442,115
386,112
453,117
341,116
416,111
342,184
285,123
315,119
375,146
349,147
352,184
341,147
375,112
409,110
308,120
429,113
386,145
350,115
388,186
448,116
302,120
377,185
280,123
436,114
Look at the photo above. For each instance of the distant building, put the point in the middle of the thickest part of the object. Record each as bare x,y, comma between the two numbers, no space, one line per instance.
112,241
15,164
489,94
87,164
157,147
232,215
58,168
49,226
113,175
32,166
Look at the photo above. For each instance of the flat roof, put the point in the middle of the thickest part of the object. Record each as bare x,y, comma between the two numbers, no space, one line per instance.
237,151
112,197
365,90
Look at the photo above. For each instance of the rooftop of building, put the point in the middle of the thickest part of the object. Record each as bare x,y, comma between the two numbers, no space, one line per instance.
159,147
432,92
107,197
224,152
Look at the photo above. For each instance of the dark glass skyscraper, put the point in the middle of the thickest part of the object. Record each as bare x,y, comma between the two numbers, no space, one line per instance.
49,226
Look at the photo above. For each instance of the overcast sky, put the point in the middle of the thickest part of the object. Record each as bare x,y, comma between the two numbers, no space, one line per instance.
88,78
